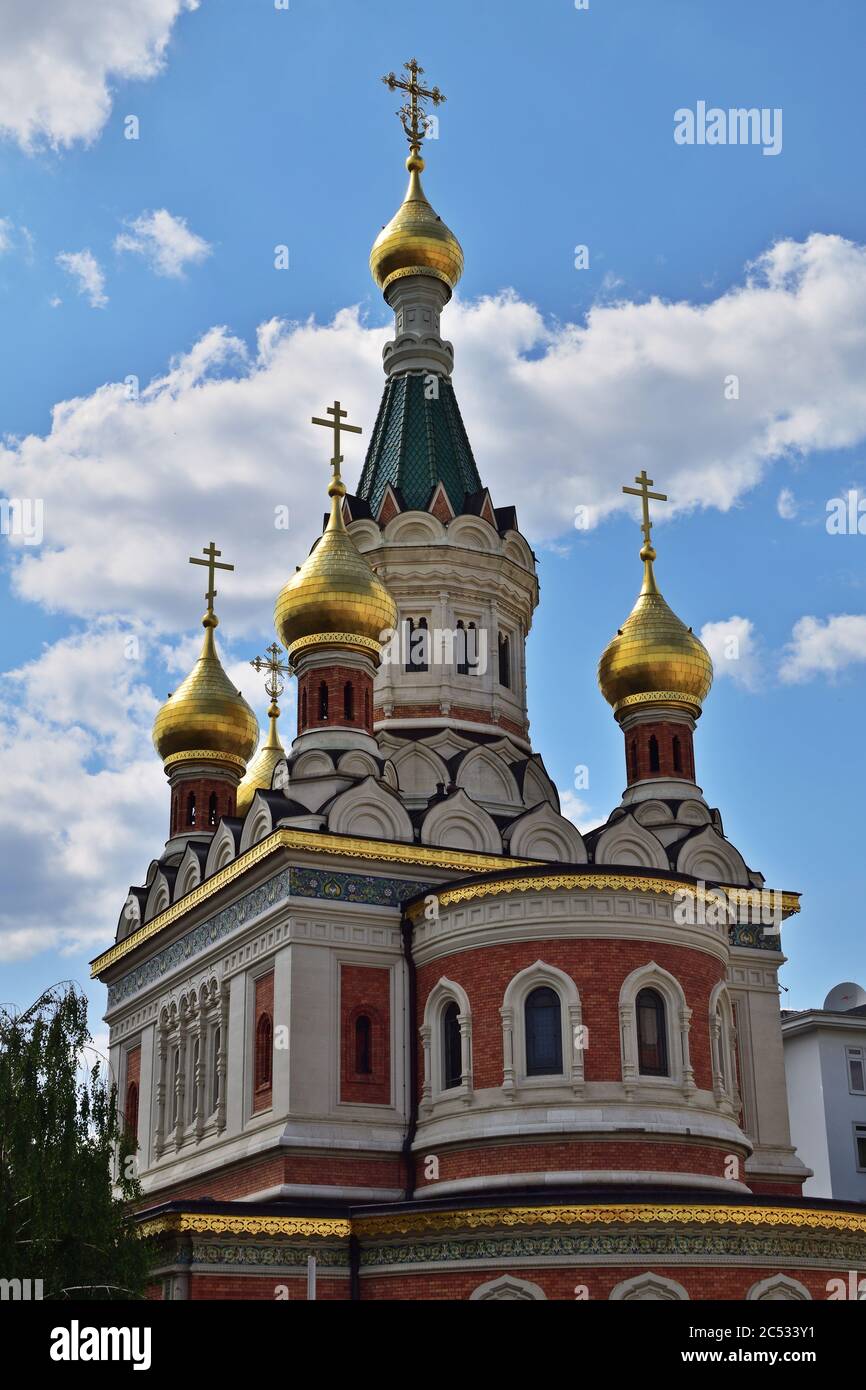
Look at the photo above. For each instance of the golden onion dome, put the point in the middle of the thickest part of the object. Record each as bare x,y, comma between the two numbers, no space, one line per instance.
416,241
654,658
334,594
260,773
206,714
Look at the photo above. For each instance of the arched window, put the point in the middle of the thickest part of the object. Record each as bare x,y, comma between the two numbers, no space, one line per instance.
678,754
215,1068
130,1113
452,1052
264,1052
366,709
349,700
363,1046
418,645
303,709
194,1098
653,753
543,1019
175,1077
505,660
190,809
323,700
212,809
632,759
652,1041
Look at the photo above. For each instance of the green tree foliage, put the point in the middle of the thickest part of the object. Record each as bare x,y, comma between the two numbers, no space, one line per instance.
67,1167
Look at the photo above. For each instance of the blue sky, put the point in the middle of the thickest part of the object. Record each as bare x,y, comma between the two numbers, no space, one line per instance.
260,127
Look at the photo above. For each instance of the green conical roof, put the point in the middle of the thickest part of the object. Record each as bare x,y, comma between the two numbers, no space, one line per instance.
418,442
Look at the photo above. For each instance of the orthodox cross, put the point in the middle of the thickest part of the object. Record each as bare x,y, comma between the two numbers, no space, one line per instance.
212,565
275,668
643,492
336,424
412,113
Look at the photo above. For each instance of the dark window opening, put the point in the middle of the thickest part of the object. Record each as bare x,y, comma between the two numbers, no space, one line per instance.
363,1046
323,700
678,756
652,1042
190,809
452,1052
543,1018
505,661
349,700
417,644
653,753
131,1110
366,709
212,809
304,709
264,1052
632,759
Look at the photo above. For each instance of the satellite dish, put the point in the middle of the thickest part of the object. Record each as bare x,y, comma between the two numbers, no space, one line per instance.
844,997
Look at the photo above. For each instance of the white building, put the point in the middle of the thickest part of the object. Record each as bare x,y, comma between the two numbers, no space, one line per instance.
825,1065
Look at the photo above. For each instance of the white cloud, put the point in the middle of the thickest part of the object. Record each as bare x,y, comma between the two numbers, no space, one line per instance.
642,384
576,810
165,242
6,235
734,649
60,61
787,505
86,270
824,647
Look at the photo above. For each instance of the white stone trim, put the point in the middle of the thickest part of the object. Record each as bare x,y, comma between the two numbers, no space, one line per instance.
443,993
512,1014
677,1023
776,1288
508,1288
649,1286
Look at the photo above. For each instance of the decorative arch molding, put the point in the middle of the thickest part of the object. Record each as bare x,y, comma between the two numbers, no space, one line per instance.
627,842
313,762
159,897
537,786
191,1058
653,813
708,856
487,777
723,1049
458,822
649,1286
776,1288
419,770
223,848
508,1288
473,533
365,534
414,528
188,874
678,1017
258,823
512,1014
443,993
544,834
130,917
693,812
357,763
515,548
370,809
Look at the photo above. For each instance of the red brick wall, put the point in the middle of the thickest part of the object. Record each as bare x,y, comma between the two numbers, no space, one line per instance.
328,1169
365,990
264,1005
131,1102
641,1154
637,751
335,678
599,968
259,1286
202,788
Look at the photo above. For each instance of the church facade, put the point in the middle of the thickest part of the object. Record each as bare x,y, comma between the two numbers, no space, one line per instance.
386,1024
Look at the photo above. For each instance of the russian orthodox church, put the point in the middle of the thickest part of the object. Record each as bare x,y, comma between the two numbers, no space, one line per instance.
386,1024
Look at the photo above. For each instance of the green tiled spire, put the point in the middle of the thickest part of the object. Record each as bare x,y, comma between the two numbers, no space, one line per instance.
416,443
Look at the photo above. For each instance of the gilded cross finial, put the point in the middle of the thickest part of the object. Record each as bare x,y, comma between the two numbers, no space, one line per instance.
338,415
643,492
212,565
412,115
275,668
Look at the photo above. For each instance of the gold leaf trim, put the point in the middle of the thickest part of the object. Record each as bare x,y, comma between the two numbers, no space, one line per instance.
490,1217
178,1222
329,639
204,755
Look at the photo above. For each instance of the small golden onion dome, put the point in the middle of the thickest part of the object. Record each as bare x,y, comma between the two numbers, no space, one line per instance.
206,713
416,241
654,658
259,774
334,593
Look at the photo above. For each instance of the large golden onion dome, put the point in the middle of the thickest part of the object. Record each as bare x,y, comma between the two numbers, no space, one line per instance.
260,773
654,658
416,241
334,594
206,714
